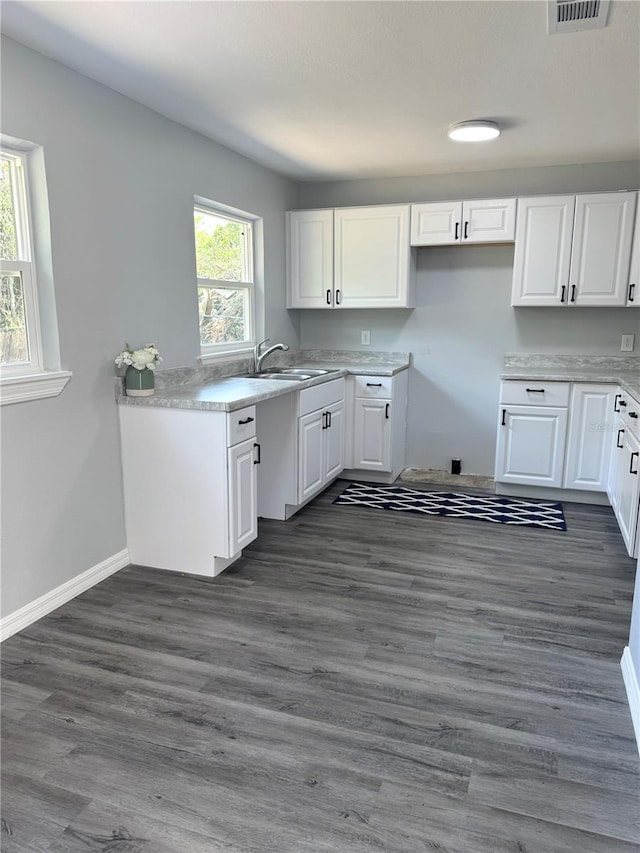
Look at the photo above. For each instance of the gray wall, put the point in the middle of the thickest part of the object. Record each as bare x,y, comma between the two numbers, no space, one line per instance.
121,182
463,324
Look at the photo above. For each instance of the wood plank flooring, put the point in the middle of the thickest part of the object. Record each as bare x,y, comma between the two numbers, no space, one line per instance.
360,682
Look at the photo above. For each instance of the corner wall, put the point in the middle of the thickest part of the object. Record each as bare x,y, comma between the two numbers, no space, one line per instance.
121,181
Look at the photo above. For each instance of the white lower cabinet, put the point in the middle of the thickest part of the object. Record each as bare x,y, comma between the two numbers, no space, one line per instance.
376,426
190,486
589,437
531,442
372,435
243,494
624,480
320,449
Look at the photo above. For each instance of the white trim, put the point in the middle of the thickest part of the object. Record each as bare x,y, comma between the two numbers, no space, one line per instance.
229,355
633,691
35,610
32,386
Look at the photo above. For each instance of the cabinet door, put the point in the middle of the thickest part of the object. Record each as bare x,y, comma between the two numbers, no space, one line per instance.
544,228
372,439
601,250
531,442
310,259
334,441
628,491
489,220
437,224
589,443
372,257
310,455
633,290
243,496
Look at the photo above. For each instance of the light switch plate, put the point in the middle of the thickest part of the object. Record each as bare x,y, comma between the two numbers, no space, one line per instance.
365,338
627,343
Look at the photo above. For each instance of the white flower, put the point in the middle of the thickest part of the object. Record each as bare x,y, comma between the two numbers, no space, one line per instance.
145,357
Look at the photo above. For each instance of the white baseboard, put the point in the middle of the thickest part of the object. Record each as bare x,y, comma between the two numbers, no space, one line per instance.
633,691
35,610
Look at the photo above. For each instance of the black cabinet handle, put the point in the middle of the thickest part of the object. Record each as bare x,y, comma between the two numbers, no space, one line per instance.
633,414
328,297
328,420
573,293
535,390
632,287
504,415
246,421
466,229
374,384
636,454
386,411
564,289
258,460
457,229
324,420
337,297
620,432
618,402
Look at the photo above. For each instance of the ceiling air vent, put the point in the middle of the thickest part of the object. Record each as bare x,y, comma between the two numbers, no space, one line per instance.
571,16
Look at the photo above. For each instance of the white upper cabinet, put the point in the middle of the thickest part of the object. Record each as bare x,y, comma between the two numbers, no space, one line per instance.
543,250
573,250
447,223
601,248
310,259
356,257
436,224
633,291
372,261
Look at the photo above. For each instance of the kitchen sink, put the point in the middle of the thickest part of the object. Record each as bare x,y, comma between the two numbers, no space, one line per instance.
291,377
295,374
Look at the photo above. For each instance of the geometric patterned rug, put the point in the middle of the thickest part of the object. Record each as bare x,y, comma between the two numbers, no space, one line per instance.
500,510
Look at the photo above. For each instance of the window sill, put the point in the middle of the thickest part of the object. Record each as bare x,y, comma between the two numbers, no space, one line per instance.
229,355
33,386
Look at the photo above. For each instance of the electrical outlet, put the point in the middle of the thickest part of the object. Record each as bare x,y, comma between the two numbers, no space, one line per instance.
627,343
365,338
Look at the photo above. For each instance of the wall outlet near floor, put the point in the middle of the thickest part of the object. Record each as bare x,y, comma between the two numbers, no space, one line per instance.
365,338
627,343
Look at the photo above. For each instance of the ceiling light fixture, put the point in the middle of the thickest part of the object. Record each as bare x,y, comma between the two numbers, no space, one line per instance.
473,131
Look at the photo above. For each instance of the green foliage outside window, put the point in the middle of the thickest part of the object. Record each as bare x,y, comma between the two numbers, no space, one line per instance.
221,247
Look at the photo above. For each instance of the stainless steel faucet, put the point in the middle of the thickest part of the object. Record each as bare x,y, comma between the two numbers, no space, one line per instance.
259,357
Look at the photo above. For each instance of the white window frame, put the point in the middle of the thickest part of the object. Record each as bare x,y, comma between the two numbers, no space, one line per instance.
41,375
24,268
211,352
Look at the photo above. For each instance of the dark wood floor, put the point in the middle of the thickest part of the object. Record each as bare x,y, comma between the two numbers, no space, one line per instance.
361,681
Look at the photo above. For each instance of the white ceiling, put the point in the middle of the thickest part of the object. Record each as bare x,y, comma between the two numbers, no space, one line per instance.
325,90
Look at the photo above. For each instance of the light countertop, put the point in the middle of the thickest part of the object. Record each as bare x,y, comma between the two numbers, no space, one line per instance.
231,393
621,371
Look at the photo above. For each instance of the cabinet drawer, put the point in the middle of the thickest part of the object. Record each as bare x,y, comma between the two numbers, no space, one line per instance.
629,410
534,393
374,386
320,396
241,425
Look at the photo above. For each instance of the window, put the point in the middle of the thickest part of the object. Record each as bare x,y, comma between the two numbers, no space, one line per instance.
226,293
20,346
29,359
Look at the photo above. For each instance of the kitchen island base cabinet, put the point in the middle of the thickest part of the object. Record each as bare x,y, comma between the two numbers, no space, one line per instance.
190,491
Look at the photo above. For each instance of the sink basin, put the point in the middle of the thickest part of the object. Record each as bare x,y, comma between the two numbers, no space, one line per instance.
291,377
295,374
308,371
